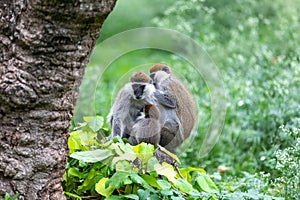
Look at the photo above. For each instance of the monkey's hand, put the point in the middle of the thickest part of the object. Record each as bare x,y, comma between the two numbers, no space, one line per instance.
166,99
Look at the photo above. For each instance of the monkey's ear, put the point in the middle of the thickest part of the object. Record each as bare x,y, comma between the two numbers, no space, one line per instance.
165,99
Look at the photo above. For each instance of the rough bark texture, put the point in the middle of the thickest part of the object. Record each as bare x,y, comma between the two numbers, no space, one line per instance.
44,48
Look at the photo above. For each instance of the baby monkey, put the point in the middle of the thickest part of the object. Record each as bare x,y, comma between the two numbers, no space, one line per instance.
147,127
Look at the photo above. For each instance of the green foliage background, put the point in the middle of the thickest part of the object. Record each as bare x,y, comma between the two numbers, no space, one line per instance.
256,46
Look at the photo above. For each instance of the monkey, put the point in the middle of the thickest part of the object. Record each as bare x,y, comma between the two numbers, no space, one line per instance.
128,103
147,127
170,121
164,80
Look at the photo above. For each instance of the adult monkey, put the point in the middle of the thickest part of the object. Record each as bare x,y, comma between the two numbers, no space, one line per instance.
171,135
133,97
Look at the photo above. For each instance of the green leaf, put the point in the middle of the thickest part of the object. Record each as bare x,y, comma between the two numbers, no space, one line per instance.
123,165
166,170
143,194
115,197
116,148
151,181
132,196
65,176
92,156
126,147
89,181
177,198
8,197
205,183
154,197
119,179
150,166
117,139
185,172
88,139
75,172
210,183
165,185
169,153
144,151
184,186
166,192
80,125
15,197
73,195
101,189
74,141
137,179
94,122
126,156
81,140
128,189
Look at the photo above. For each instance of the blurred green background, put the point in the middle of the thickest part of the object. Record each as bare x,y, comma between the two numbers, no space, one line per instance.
256,46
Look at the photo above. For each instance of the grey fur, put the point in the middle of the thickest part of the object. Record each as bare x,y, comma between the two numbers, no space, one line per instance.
127,107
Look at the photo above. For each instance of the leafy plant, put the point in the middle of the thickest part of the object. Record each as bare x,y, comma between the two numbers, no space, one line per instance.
8,197
255,45
116,170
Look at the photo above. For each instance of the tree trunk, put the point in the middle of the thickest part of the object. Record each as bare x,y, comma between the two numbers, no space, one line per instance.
44,48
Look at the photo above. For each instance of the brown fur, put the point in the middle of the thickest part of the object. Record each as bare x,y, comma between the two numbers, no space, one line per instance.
185,109
159,67
140,77
147,129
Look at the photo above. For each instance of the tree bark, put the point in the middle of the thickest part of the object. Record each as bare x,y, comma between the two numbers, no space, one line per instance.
44,48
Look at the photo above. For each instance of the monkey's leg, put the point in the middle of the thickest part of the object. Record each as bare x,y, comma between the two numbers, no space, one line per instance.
116,130
171,135
165,138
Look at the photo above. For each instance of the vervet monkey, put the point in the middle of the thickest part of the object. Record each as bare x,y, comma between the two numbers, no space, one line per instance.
171,125
130,100
185,110
147,127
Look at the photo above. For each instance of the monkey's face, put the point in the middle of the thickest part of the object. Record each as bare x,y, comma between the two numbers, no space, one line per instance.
142,90
138,91
159,77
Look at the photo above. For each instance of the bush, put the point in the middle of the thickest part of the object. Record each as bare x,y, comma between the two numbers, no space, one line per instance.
256,46
116,170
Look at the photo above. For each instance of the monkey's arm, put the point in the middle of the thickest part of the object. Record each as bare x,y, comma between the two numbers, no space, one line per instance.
164,98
